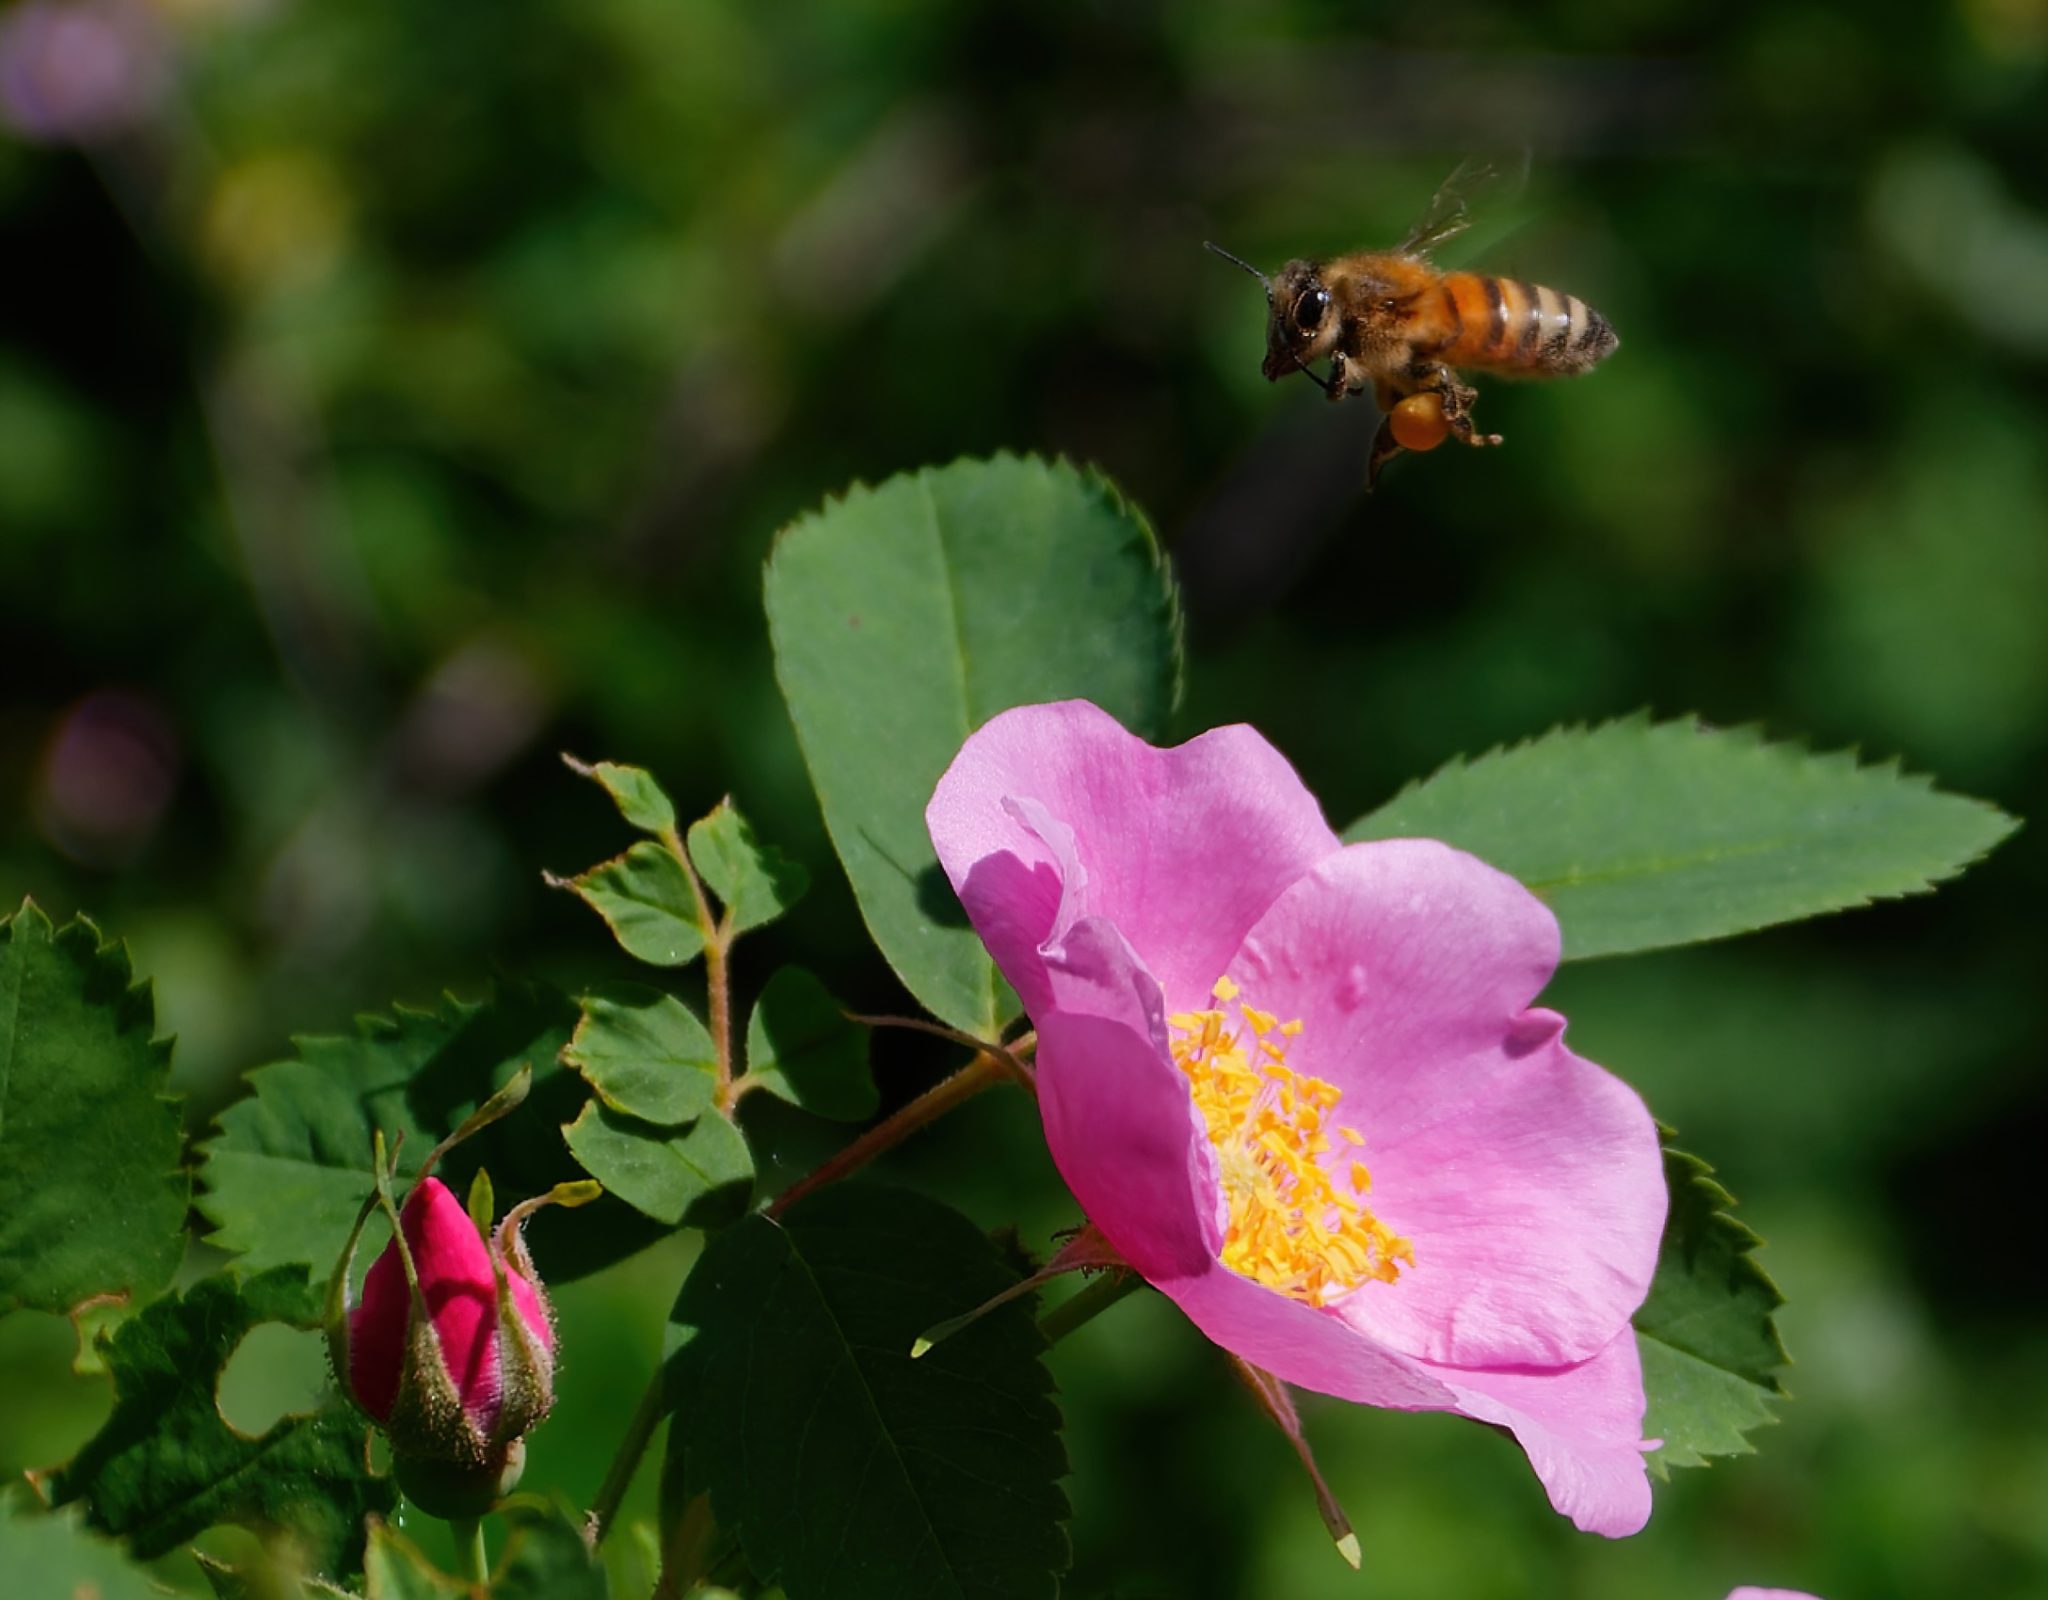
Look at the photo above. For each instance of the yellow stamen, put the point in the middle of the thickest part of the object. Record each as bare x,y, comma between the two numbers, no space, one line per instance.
1292,1227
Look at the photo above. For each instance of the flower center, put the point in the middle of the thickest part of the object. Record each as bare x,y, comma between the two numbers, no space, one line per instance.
1292,1227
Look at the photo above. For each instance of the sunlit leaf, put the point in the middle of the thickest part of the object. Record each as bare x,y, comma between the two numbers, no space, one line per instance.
1709,1341
641,801
755,882
802,1047
167,1466
848,1470
284,1177
645,1053
394,1568
644,898
51,1553
701,1175
92,1197
1642,835
904,617
545,1557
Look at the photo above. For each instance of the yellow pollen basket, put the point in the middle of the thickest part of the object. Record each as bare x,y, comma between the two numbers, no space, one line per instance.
1292,1227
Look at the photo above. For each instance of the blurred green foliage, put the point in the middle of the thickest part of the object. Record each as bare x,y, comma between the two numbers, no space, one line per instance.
392,396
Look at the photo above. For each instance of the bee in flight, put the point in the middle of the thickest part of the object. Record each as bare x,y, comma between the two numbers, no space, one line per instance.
1390,320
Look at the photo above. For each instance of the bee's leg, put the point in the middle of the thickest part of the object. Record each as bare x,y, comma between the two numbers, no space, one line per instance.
1339,386
1435,378
1384,448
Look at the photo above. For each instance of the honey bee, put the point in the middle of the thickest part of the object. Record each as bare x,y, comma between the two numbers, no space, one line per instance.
1390,320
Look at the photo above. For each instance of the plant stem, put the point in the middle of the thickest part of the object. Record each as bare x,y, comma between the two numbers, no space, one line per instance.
619,1476
1086,1306
985,1069
470,1554
717,979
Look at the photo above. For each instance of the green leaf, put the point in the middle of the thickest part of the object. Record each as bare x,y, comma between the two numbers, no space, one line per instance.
167,1466
701,1176
645,1053
1709,1341
394,1568
50,1553
544,1557
849,1471
644,898
641,801
92,1197
904,617
755,883
802,1047
1642,835
291,1164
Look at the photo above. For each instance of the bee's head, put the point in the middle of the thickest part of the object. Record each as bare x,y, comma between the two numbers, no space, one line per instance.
1303,324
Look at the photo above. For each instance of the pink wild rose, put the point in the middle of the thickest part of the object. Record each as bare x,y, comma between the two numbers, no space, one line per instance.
1299,1086
482,1381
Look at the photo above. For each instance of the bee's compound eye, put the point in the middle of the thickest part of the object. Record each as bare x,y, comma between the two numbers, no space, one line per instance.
1309,309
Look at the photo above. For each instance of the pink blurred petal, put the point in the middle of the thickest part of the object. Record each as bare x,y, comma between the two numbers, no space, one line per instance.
1748,1593
1581,1427
1181,848
1527,1179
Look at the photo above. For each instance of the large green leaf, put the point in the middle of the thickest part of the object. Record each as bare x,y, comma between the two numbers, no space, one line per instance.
49,1553
291,1164
1641,835
92,1199
1709,1341
904,617
849,1471
167,1466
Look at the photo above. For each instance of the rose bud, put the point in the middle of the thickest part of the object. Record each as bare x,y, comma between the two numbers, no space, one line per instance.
452,1347
452,1351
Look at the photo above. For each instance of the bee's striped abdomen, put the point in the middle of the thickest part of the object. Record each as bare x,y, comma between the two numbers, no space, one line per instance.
1513,326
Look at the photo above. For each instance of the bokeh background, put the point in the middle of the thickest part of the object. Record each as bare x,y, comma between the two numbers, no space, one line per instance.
394,395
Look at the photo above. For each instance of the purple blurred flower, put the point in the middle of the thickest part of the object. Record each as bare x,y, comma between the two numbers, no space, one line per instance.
108,774
80,71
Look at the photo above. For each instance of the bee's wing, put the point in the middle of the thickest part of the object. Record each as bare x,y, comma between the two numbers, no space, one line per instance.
1450,210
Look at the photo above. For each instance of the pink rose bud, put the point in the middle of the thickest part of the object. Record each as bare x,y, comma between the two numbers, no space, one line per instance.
454,1359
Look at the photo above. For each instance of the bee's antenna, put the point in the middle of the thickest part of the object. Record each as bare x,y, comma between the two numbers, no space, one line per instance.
1239,261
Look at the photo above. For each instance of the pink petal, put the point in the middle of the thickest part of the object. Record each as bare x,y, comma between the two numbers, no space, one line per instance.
1527,1179
1302,1345
1748,1593
1581,1428
1118,1118
1053,813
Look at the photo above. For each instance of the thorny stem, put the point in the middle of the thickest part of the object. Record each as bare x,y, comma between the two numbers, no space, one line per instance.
1085,1307
619,1476
717,980
985,1069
